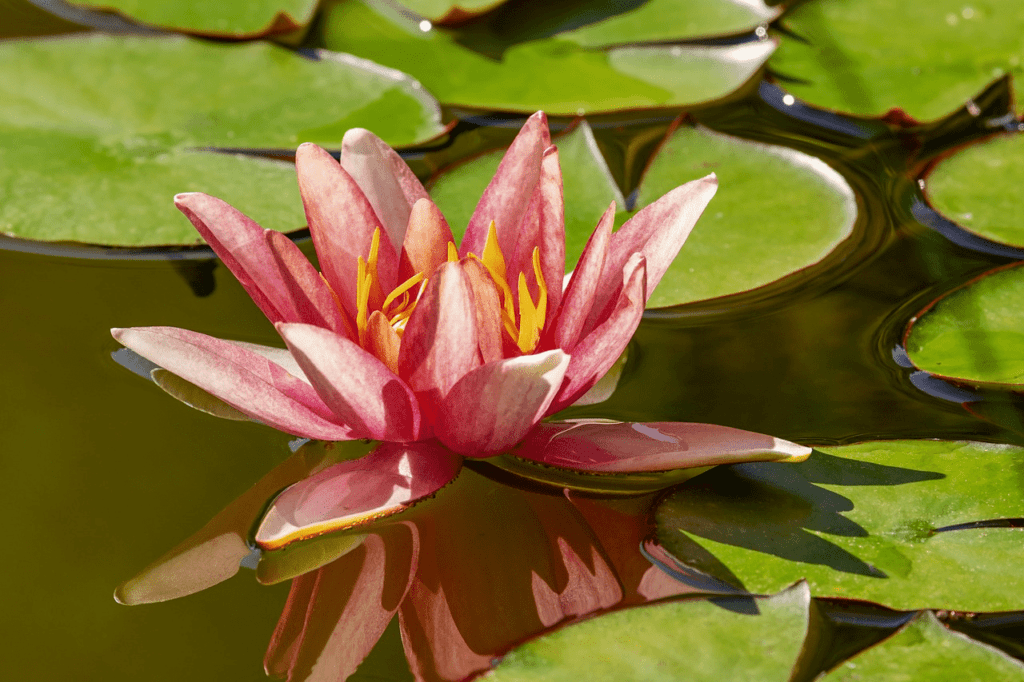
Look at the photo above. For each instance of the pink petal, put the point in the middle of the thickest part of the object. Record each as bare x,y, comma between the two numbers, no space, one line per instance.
349,494
426,241
439,345
595,354
579,294
303,295
488,310
240,244
507,197
388,183
361,391
341,222
544,227
656,446
240,377
347,607
495,405
658,231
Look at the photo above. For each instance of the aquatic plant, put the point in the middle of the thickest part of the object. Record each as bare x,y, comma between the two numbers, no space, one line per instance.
442,354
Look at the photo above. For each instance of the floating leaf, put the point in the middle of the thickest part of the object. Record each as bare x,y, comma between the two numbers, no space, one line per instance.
743,639
925,650
974,333
575,79
860,521
868,56
446,11
98,133
776,210
225,18
979,188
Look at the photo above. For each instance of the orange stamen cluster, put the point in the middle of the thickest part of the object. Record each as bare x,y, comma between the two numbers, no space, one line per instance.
399,304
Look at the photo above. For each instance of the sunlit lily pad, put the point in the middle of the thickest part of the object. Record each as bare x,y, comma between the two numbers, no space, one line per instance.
860,521
776,210
928,58
979,189
228,18
684,640
493,72
975,333
446,11
98,133
925,650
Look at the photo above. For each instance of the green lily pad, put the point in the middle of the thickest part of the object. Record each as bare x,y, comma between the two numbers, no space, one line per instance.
860,521
98,133
448,11
690,640
227,18
776,211
925,650
979,189
576,79
801,208
975,333
868,56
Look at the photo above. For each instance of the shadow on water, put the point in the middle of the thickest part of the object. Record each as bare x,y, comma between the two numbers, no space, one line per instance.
772,509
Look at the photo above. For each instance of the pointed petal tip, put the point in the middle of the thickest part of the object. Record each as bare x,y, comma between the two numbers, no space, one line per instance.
792,451
355,136
711,179
117,332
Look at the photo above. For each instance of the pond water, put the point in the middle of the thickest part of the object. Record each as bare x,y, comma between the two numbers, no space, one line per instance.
103,472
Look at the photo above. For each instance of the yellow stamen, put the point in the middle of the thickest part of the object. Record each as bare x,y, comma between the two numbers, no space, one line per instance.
453,253
528,327
493,258
401,289
363,282
542,287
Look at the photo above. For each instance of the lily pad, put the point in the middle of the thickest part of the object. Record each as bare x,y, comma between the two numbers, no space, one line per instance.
141,114
693,640
861,521
925,650
777,210
226,18
446,11
576,79
979,189
975,333
868,56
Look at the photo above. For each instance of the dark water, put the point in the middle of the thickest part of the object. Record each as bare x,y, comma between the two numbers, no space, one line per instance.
102,472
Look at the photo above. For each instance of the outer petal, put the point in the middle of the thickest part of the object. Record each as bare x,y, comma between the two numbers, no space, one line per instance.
273,271
426,241
658,232
391,478
242,378
544,227
579,294
360,389
388,183
304,295
491,408
655,446
213,553
507,197
439,345
593,356
332,621
341,221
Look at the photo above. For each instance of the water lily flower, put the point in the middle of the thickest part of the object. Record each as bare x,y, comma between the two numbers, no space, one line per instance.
445,355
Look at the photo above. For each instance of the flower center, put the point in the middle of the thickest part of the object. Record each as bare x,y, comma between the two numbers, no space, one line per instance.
398,305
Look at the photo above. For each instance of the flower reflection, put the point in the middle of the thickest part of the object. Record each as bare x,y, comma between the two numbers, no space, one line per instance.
419,354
